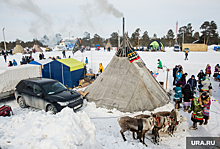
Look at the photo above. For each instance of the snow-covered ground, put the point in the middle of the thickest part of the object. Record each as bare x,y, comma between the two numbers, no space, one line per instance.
93,127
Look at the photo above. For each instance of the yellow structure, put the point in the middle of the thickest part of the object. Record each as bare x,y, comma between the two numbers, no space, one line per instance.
195,47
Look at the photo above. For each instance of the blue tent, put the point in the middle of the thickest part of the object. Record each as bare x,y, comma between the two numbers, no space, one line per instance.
68,71
42,63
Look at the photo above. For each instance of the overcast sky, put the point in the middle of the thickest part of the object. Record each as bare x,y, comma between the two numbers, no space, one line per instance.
29,19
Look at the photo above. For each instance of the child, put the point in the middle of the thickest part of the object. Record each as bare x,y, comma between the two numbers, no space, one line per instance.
207,103
208,70
178,95
197,108
187,96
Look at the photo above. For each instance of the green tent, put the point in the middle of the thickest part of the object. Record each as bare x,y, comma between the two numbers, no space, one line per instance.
156,44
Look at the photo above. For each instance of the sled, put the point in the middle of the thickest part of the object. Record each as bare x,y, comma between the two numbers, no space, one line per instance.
6,111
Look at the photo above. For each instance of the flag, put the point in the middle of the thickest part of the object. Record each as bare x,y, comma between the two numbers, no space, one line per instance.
132,55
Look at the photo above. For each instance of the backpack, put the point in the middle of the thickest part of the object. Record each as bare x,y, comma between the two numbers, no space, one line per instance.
6,111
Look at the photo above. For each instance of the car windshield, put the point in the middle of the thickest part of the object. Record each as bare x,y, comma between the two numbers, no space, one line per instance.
176,47
53,88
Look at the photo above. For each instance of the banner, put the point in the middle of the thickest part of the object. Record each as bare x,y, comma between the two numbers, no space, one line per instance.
132,55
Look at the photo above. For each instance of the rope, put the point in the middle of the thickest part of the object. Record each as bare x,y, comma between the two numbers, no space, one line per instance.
102,117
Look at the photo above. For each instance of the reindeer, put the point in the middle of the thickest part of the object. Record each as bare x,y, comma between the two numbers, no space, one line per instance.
131,124
173,120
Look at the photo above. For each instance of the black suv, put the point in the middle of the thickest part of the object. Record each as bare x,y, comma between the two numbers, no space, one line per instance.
47,94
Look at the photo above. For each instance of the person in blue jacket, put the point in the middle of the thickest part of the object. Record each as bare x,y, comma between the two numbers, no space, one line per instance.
178,95
178,75
14,62
86,61
193,83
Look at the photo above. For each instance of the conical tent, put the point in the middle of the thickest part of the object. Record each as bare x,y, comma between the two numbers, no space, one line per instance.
157,44
37,48
108,45
127,85
18,49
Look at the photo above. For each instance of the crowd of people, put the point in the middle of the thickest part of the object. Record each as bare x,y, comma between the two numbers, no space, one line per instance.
185,93
26,60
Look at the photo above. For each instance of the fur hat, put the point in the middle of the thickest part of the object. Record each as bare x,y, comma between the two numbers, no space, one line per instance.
206,94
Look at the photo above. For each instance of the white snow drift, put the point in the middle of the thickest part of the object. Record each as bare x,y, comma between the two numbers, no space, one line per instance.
43,130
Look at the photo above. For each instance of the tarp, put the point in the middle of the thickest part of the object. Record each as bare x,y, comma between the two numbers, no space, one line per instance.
41,63
10,76
68,71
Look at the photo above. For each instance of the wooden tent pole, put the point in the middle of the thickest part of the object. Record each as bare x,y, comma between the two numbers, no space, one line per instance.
167,77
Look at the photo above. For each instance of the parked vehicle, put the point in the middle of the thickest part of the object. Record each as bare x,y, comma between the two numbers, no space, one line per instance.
176,48
47,94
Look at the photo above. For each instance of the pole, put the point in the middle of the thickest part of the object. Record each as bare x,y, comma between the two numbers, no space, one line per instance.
4,38
183,37
124,36
69,35
118,39
167,77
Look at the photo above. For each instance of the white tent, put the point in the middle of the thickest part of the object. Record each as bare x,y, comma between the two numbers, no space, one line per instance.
10,76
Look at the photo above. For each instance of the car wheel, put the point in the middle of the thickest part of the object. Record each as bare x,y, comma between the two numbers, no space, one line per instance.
22,102
52,108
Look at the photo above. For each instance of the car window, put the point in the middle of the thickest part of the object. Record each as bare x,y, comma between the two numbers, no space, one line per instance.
37,89
53,88
29,87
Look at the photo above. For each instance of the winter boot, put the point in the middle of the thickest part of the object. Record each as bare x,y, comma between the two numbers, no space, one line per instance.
185,109
193,127
206,122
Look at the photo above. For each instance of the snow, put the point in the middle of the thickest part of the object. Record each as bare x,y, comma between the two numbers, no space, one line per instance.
92,127
44,130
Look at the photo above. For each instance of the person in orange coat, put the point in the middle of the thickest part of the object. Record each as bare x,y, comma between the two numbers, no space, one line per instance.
101,68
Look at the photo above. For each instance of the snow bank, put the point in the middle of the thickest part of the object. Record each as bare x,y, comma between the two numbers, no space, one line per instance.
42,130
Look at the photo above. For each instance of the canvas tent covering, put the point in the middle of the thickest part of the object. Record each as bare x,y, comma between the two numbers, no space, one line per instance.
11,76
41,63
127,86
157,44
18,49
37,48
108,45
68,71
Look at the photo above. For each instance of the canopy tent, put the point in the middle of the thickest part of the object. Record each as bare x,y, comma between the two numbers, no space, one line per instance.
18,49
41,63
37,48
68,71
156,44
127,85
